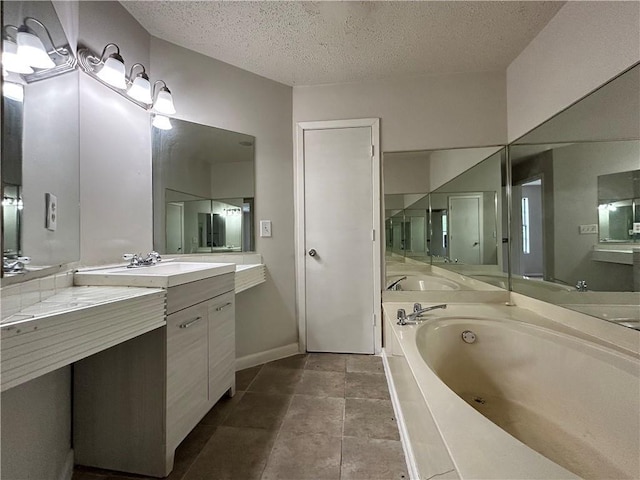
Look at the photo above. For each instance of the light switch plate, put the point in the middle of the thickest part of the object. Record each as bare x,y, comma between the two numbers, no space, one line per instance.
265,228
51,211
588,229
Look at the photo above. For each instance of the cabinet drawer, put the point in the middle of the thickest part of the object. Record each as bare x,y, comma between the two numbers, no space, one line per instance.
187,370
183,296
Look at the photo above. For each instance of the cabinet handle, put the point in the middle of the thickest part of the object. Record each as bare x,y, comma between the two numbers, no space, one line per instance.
189,323
223,306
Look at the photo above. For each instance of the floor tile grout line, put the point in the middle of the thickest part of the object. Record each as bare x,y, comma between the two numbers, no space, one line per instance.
277,436
344,416
254,377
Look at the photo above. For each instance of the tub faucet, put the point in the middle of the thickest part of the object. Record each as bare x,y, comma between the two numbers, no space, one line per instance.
395,285
414,318
581,286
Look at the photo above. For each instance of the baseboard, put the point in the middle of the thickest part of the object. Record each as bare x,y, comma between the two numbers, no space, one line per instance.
266,356
409,456
67,469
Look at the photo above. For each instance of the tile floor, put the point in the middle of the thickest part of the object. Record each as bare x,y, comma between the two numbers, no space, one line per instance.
313,416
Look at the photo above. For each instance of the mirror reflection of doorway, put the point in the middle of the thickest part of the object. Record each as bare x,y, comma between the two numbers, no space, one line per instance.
175,227
528,210
465,229
438,242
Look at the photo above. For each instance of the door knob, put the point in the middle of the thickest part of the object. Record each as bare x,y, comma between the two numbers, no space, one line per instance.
312,253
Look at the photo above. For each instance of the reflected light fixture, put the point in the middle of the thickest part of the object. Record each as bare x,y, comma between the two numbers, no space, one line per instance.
11,62
14,91
163,99
161,122
140,89
113,70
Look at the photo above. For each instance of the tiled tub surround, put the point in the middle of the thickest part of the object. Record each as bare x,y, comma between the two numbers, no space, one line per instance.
47,324
313,416
540,380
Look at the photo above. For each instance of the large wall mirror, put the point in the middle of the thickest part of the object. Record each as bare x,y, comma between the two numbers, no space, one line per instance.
40,144
461,225
576,186
203,189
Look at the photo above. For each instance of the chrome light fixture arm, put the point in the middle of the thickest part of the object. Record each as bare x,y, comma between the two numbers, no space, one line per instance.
62,51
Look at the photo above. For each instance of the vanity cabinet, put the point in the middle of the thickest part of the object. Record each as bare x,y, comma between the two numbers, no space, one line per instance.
135,403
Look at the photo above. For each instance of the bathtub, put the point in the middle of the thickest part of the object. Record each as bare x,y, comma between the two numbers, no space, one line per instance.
425,282
526,286
527,399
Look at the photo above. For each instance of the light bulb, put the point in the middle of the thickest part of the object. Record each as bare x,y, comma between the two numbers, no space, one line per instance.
141,89
11,62
113,72
14,91
164,102
161,122
31,50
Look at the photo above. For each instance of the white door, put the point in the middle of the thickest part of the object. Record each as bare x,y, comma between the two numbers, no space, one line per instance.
465,229
341,274
175,227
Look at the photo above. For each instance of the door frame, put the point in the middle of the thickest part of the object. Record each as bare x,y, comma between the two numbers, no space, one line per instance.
299,222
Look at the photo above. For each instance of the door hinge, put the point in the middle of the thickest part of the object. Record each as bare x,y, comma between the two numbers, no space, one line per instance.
374,320
373,235
373,150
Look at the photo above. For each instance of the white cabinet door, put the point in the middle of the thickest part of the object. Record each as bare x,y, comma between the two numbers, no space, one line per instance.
222,345
187,370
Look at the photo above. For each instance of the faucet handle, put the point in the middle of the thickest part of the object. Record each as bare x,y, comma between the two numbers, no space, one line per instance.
401,316
417,307
128,256
155,256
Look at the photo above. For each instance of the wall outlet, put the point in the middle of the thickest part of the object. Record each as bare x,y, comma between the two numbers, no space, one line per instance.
636,227
588,229
51,211
265,228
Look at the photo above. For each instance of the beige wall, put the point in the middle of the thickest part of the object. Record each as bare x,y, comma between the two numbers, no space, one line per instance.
214,93
405,172
418,113
583,46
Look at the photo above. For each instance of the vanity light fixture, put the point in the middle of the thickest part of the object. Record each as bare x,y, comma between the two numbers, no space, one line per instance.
161,122
31,49
11,62
140,89
163,99
110,70
12,90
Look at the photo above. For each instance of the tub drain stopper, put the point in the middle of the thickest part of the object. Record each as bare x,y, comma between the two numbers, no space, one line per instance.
468,336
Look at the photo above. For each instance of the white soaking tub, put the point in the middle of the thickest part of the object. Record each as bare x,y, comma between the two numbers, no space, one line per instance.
425,282
526,399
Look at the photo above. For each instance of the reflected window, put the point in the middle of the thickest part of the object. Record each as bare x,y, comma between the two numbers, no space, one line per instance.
526,240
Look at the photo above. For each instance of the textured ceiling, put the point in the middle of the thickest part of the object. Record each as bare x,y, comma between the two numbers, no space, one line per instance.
309,43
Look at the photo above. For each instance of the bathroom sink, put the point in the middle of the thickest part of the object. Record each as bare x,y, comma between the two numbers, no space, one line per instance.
161,275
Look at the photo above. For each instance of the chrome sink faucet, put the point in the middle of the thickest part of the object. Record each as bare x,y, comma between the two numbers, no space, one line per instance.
415,317
581,286
15,265
137,260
